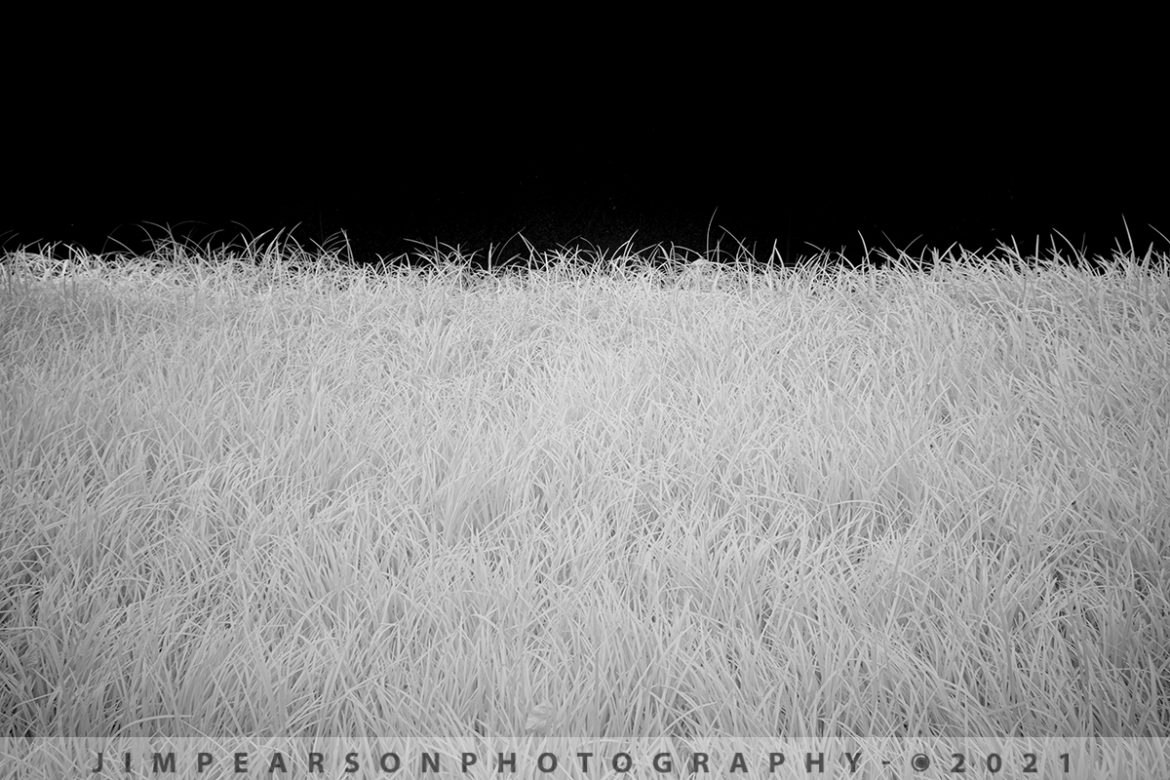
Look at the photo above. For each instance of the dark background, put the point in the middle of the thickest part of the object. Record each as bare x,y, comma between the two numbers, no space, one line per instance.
794,180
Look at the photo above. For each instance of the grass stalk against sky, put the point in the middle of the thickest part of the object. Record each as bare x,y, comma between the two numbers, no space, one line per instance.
883,502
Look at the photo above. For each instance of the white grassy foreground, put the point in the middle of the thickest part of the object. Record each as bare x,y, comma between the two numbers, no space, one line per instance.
896,502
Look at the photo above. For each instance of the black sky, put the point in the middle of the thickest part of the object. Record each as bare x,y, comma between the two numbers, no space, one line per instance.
793,180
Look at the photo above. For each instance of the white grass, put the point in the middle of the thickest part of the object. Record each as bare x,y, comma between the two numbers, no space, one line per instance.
597,500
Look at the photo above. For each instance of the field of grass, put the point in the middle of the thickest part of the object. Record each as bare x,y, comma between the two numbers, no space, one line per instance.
600,499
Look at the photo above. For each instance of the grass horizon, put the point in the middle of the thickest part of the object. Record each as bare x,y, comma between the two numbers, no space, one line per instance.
638,495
